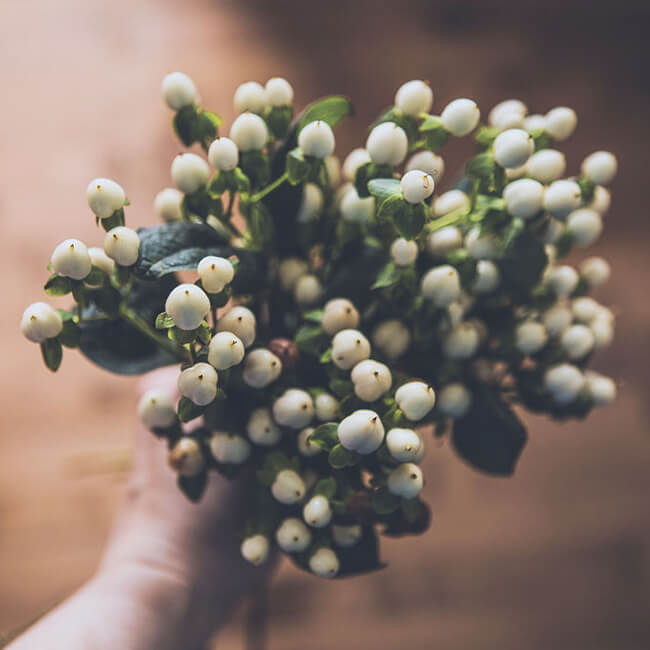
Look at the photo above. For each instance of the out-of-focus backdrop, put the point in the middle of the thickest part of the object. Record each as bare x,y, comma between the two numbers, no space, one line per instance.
557,556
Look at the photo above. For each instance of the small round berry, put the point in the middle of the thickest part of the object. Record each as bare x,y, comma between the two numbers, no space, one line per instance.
392,337
601,389
167,204
349,346
577,341
333,169
225,350
71,259
482,247
178,90
454,400
416,186
229,448
560,122
530,337
462,341
190,172
585,309
602,329
317,511
557,319
405,481
487,277
460,117
156,410
415,399
122,244
512,119
186,457
600,167
308,290
255,549
278,92
261,368
241,322
339,314
450,202
199,383
104,197
290,271
404,252
355,159
311,203
99,259
327,407
441,285
564,382
404,445
215,273
223,154
187,305
346,536
362,432
440,242
387,144
562,197
324,563
563,280
305,446
601,201
292,535
316,139
535,122
371,380
546,166
355,209
414,97
512,148
261,428
249,96
40,322
595,270
524,197
428,162
506,107
249,132
585,226
294,409
288,487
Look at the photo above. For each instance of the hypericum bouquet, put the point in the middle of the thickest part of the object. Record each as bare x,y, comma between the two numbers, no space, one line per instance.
346,308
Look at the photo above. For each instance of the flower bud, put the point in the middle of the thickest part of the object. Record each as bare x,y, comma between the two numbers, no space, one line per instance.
354,209
556,319
601,389
405,481
122,244
577,341
317,511
512,148
187,305
71,260
482,247
167,204
294,409
361,432
229,448
324,563
225,350
546,166
346,536
311,203
371,380
450,202
414,97
561,122
339,314
290,271
416,186
215,273
392,337
460,117
185,457
190,172
278,92
428,162
387,144
255,549
104,197
487,277
308,290
441,285
562,280
524,197
223,154
178,90
440,242
461,342
249,96
415,399
261,368
585,226
454,400
316,139
249,132
241,322
156,410
595,270
327,407
199,383
349,346
404,251
261,428
288,487
305,446
530,337
40,322
355,159
404,445
564,383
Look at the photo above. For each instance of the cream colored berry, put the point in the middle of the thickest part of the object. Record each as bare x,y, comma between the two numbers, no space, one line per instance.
178,91
450,202
294,408
317,511
428,162
71,260
261,428
454,400
186,457
305,446
441,285
349,346
278,92
327,407
223,154
288,487
229,448
187,305
405,481
416,186
255,549
404,252
324,563
530,337
339,314
190,172
292,535
215,273
316,139
225,350
392,337
512,148
560,122
199,383
387,144
261,368
443,241
104,197
241,322
371,380
122,245
362,432
308,290
414,97
460,117
167,204
356,209
415,399
156,410
249,132
346,536
290,271
404,445
40,322
249,96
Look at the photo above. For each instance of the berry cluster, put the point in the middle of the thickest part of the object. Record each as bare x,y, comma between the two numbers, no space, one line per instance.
338,309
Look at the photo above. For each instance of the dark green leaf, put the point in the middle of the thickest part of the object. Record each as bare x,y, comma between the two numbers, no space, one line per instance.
278,119
204,333
52,353
434,133
260,224
193,487
115,220
339,457
188,410
523,261
486,135
325,436
390,205
70,334
310,339
341,387
410,219
385,188
95,278
297,166
328,109
383,502
57,285
182,336
164,321
387,277
257,167
412,518
185,124
326,487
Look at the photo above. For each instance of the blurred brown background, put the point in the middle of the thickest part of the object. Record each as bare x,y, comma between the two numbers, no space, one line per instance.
556,557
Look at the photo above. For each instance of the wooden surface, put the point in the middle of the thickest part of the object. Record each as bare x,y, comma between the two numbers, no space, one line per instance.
556,557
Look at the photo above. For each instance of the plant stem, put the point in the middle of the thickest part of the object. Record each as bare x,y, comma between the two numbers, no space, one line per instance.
137,322
269,188
231,201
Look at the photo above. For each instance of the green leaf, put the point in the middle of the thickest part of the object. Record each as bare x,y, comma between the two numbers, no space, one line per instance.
164,321
276,461
185,124
243,183
70,334
115,220
260,224
523,262
328,109
314,316
341,387
410,219
204,333
297,166
326,487
366,173
384,188
52,353
383,502
387,277
257,167
193,487
310,339
587,190
182,336
188,410
434,133
278,119
412,518
325,436
326,357
339,457
390,205
486,135
57,285
201,204
95,278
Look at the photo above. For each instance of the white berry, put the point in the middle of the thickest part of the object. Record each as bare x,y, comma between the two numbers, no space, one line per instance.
215,273
40,322
414,97
404,445
512,148
487,277
190,172
241,322
225,350
577,341
156,410
261,428
317,511
355,159
564,382
327,407
454,400
362,432
601,389
404,252
508,106
104,197
346,536
229,448
261,368
600,167
311,203
416,186
305,446
371,380
308,290
441,285
392,337
199,383
530,337
292,535
601,201
405,481
223,154
585,226
462,341
449,202
278,92
290,271
324,563
122,245
524,197
178,90
71,259
339,314
546,166
356,209
387,144
167,204
556,319
428,162
460,117
482,246
440,242
560,122
316,139
563,280
415,399
249,132
255,549
250,96
595,270
288,487
187,305
349,346
294,409
562,197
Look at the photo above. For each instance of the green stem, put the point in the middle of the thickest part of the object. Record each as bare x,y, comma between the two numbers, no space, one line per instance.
231,201
138,323
269,188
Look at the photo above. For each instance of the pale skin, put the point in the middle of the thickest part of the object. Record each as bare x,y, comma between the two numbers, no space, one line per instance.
172,570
